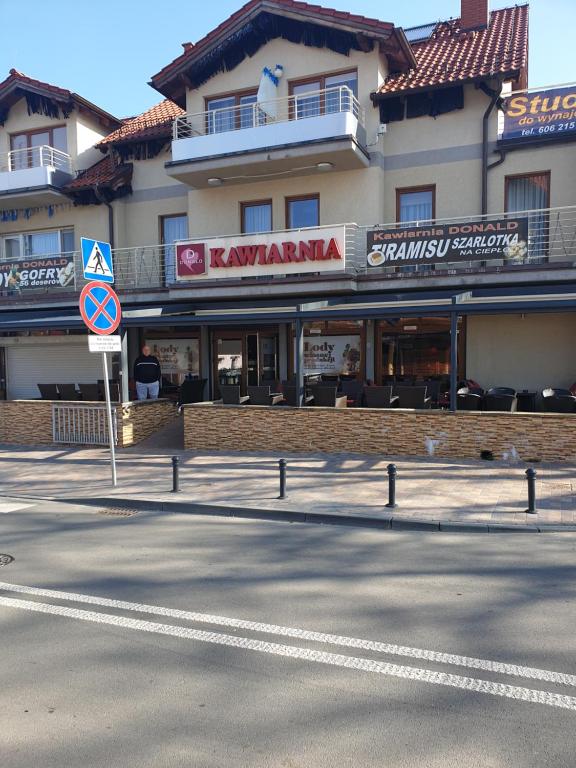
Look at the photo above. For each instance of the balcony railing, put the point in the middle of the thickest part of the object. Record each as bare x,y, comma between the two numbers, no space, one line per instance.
36,157
296,107
550,246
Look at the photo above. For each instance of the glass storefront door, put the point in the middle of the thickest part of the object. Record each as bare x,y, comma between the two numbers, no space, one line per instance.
245,359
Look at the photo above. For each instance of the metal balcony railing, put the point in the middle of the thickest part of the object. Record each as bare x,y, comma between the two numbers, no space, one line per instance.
35,157
550,245
251,115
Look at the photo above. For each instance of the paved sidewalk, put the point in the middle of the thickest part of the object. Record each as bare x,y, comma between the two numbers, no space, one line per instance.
429,492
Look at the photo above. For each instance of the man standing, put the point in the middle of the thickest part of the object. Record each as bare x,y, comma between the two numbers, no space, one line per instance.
147,375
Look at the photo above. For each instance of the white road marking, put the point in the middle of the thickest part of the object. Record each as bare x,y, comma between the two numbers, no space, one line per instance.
321,657
486,665
7,506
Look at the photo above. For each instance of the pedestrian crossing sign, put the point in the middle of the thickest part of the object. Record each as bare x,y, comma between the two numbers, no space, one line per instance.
97,260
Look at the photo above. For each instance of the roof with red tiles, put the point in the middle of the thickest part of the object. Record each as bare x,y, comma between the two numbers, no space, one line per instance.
155,123
16,82
291,8
104,173
451,56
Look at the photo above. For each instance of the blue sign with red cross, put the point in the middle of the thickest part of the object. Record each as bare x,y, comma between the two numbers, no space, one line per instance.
100,308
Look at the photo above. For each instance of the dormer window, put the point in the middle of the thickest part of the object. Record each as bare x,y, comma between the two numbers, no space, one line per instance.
27,146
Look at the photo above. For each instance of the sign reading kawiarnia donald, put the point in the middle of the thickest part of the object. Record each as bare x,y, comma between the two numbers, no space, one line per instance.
535,115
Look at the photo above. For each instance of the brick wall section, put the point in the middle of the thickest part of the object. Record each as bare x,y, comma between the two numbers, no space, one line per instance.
29,422
396,432
474,14
137,421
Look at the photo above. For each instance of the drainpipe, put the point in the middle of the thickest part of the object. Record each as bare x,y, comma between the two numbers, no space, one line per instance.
494,97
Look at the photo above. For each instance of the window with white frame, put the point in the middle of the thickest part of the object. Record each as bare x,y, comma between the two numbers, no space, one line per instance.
47,242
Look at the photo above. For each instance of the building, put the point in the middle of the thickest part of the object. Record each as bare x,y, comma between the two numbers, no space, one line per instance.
348,196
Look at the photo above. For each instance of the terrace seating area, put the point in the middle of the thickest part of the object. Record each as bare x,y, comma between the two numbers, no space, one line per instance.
329,391
90,392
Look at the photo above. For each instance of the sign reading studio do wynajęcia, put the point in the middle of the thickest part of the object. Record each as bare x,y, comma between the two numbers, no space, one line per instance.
545,114
445,243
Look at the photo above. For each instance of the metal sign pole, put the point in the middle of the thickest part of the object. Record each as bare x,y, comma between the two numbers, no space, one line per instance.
110,422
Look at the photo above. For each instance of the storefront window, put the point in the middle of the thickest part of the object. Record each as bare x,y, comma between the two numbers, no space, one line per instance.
178,357
414,348
334,348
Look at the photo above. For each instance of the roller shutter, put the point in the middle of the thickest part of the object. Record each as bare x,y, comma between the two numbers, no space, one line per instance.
28,365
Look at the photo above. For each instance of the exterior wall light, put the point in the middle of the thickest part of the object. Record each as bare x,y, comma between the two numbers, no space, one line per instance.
214,181
324,166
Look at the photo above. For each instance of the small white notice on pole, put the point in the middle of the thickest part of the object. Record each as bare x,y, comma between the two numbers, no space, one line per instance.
104,344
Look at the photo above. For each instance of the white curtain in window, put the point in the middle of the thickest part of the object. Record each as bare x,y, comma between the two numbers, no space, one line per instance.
416,206
530,193
42,243
173,228
257,218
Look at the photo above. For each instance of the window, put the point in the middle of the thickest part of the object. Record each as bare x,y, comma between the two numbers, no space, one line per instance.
46,243
228,113
256,216
415,204
172,228
324,94
28,146
302,211
531,192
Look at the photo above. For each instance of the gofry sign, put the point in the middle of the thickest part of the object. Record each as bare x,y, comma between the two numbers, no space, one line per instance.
270,253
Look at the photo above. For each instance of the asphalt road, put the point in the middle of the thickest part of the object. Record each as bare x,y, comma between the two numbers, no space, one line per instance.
166,640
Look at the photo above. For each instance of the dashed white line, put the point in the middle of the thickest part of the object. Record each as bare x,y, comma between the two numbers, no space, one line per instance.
485,665
306,654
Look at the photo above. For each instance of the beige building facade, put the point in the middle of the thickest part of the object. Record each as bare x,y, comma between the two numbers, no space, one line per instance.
315,119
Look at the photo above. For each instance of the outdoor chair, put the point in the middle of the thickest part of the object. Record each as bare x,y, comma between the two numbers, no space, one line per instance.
354,391
48,391
67,391
501,391
412,397
89,392
289,392
191,391
558,401
114,386
467,400
263,395
327,397
231,395
499,402
379,397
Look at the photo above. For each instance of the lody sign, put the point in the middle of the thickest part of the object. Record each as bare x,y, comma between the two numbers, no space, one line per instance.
268,253
332,354
445,243
546,114
38,272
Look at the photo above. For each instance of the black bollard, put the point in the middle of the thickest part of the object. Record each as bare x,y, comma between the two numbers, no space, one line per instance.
282,467
391,486
175,475
531,477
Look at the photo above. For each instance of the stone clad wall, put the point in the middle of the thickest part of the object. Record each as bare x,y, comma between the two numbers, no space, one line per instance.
139,420
393,432
29,422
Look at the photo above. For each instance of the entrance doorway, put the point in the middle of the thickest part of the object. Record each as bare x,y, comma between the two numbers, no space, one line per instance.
245,359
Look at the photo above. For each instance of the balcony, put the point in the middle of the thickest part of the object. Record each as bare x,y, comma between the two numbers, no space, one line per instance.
298,135
544,252
34,175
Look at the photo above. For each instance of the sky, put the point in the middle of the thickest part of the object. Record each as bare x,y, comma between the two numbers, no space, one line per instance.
107,50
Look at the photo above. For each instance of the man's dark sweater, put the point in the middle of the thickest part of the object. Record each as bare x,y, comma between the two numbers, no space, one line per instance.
147,369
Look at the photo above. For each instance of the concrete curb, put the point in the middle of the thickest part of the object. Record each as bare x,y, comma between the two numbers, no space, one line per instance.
316,518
